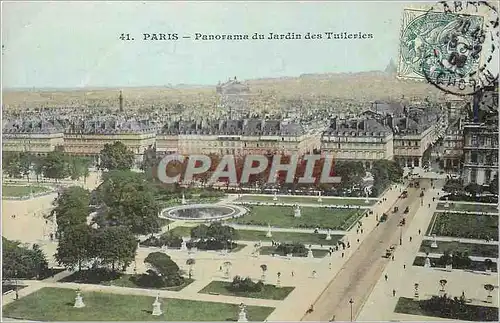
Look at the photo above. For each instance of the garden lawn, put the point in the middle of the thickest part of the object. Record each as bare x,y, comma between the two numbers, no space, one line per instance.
115,279
288,237
56,304
479,250
306,199
473,312
475,265
267,292
455,206
471,226
311,217
20,191
268,250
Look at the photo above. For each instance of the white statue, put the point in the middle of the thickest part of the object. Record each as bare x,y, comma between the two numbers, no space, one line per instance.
297,212
319,197
434,243
328,235
157,306
310,253
447,204
183,201
427,263
275,197
79,300
269,234
183,245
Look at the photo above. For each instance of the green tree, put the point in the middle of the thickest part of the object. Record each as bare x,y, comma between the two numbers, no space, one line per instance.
21,262
162,265
130,201
116,157
75,246
11,164
55,165
71,208
352,173
26,161
115,246
38,163
384,173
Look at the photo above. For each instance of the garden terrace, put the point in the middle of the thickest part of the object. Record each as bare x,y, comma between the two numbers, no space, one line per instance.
471,226
479,250
311,217
466,207
256,235
56,305
465,312
307,200
474,265
267,292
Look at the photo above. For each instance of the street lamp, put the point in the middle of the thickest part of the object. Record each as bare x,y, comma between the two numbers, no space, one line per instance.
351,302
15,285
401,236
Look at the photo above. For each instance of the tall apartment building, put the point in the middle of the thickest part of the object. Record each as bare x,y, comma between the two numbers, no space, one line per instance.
481,139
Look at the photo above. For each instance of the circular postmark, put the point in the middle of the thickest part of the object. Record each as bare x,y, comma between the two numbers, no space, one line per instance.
454,46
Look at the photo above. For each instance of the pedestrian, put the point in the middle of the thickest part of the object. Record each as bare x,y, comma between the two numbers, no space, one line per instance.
330,266
220,268
419,231
404,266
393,292
386,277
429,205
342,255
361,231
293,273
357,240
410,239
392,258
357,230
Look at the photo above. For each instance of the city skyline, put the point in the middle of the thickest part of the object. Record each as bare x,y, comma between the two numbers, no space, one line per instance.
83,49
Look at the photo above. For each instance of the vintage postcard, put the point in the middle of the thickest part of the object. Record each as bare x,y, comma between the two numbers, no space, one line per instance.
250,161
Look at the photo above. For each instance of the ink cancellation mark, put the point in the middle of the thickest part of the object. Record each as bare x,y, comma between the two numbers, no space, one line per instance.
446,48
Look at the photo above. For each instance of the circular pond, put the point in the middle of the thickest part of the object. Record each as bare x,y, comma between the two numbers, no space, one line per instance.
203,212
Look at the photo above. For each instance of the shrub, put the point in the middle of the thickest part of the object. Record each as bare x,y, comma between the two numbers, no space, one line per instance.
291,248
240,284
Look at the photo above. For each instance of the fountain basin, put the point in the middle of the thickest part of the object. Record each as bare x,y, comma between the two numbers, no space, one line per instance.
203,212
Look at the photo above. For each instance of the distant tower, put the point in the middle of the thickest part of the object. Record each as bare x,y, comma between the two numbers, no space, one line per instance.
120,98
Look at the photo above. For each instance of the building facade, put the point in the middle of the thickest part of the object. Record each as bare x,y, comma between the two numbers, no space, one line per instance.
480,134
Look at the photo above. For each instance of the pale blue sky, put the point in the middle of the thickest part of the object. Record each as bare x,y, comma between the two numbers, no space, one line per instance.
75,44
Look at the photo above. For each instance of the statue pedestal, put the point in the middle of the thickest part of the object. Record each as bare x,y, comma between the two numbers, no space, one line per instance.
416,296
79,302
320,199
427,263
489,299
449,267
310,254
242,317
328,236
441,292
434,244
156,308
